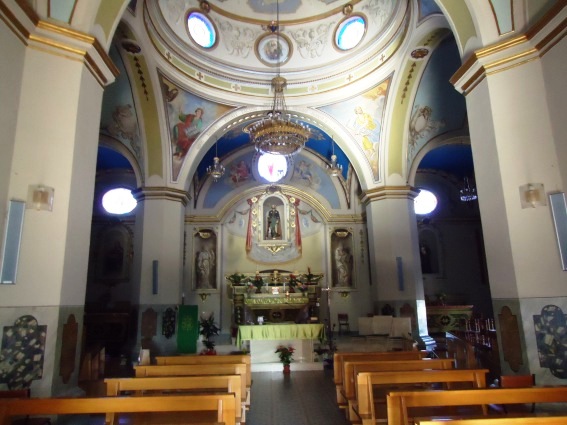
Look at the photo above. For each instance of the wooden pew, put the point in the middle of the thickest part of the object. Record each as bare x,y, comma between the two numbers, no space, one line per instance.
196,370
352,368
339,358
218,359
218,408
372,387
398,402
172,384
529,420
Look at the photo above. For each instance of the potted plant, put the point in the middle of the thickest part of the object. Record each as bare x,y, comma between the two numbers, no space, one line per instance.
286,356
208,329
258,282
237,279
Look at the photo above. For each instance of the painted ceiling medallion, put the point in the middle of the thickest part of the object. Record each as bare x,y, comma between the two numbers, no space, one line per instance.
419,53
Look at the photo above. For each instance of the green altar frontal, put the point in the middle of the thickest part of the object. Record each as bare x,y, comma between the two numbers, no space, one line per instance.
284,331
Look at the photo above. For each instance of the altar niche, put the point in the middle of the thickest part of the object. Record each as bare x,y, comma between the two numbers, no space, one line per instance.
274,214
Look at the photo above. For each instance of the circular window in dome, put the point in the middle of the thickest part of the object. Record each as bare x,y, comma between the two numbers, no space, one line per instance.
273,168
425,202
349,32
201,30
119,201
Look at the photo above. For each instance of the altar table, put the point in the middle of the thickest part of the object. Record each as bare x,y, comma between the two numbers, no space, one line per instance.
264,339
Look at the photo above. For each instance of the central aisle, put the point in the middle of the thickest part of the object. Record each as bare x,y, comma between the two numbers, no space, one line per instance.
300,398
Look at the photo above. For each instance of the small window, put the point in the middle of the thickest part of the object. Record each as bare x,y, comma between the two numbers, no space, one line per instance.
273,168
349,33
202,30
425,202
119,201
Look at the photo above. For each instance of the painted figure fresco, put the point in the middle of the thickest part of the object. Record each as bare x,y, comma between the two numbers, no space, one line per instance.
363,117
186,131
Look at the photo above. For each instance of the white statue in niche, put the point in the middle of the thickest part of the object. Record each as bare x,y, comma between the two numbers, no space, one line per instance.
205,261
343,260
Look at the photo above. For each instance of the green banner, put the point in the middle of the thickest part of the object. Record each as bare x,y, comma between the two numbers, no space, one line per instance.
188,329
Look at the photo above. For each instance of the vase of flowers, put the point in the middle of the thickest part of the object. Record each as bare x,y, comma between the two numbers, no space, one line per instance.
208,328
286,356
258,282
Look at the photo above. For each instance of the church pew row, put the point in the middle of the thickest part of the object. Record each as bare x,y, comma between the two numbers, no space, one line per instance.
372,387
352,368
201,408
529,420
401,404
339,358
197,370
218,359
177,384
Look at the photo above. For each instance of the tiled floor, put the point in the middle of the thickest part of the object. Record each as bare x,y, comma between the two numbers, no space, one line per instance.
300,398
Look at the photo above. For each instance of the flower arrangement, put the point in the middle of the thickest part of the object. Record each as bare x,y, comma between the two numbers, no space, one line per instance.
257,282
208,328
302,287
285,354
237,279
312,278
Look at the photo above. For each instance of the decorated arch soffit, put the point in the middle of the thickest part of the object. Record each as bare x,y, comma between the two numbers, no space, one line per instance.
187,116
363,117
306,173
408,82
144,100
437,107
119,119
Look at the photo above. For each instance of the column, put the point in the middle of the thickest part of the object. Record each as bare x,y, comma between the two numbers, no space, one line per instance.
517,137
158,264
394,254
50,91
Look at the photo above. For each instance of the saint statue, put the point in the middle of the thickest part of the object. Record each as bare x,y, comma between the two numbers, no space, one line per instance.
343,261
205,268
273,228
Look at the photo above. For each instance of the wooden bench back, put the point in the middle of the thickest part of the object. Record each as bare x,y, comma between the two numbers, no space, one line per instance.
367,395
529,420
223,404
195,370
226,383
339,358
218,359
352,368
399,402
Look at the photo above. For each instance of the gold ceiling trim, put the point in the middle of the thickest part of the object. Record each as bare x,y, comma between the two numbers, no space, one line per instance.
388,192
143,193
46,37
298,21
529,53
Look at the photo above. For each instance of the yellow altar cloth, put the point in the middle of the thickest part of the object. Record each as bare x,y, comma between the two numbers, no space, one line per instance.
283,331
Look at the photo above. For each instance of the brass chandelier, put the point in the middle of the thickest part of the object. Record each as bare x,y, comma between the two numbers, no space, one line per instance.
276,133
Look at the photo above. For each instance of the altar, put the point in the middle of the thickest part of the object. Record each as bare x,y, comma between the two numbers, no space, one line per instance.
264,339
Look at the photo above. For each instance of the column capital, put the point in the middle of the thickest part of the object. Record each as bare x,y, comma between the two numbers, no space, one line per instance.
59,40
389,192
540,38
166,193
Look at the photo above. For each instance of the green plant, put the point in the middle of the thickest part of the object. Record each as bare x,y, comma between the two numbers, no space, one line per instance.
285,354
237,279
208,328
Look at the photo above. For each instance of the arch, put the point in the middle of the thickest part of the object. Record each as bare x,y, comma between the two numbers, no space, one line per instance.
454,138
313,117
119,147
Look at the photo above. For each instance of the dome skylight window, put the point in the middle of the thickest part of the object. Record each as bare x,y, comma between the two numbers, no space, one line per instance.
349,33
119,201
273,168
201,30
425,202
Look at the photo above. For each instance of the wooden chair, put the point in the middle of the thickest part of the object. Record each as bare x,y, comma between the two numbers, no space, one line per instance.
517,381
343,322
